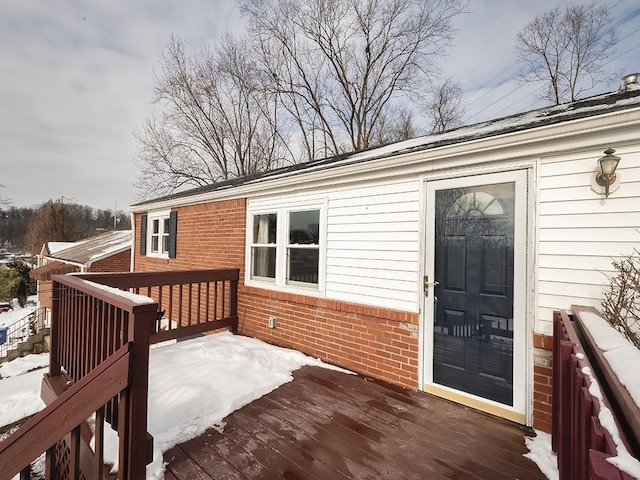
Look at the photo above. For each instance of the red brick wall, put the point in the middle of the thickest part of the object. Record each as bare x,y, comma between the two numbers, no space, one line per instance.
210,235
377,342
542,382
120,262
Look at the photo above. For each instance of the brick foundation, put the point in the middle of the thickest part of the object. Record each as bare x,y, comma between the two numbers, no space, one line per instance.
377,342
542,381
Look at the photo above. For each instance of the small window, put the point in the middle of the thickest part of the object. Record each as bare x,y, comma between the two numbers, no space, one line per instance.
160,235
263,246
160,232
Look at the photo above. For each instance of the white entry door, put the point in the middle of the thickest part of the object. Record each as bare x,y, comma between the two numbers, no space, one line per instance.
475,308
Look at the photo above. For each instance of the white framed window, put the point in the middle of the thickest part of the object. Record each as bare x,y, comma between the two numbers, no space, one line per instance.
160,239
303,246
285,246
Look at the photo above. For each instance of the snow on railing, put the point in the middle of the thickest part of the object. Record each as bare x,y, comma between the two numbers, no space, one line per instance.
595,420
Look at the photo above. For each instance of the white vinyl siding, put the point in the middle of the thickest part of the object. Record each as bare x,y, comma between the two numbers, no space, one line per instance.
373,245
579,231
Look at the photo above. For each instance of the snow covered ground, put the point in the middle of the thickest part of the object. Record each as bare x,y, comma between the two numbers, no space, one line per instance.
193,385
11,316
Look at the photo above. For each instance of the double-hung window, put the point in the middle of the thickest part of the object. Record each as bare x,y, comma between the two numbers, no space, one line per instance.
158,233
285,246
303,246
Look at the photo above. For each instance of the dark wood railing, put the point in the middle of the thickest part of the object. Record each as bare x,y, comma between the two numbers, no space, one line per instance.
580,441
191,302
99,364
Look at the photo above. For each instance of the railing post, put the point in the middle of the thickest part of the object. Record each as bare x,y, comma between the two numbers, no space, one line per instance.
132,428
54,351
233,304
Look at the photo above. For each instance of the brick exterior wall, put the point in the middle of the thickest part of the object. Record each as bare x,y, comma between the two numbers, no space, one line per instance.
120,262
377,342
210,235
542,381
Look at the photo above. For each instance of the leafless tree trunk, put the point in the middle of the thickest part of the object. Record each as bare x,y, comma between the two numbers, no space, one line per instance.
340,67
217,123
565,50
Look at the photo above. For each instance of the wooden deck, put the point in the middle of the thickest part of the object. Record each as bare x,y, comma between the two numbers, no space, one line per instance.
327,425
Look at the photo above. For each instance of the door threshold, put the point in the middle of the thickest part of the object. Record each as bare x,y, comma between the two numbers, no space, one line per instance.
475,403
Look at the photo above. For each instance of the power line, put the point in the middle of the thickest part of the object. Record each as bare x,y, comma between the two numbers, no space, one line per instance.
503,97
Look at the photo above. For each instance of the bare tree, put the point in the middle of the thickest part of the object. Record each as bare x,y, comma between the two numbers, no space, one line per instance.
340,67
445,109
566,49
217,122
52,222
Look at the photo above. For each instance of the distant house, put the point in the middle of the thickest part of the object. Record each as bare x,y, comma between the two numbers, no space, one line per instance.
433,263
106,252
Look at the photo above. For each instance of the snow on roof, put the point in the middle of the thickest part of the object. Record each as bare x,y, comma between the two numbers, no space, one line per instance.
55,247
589,107
91,249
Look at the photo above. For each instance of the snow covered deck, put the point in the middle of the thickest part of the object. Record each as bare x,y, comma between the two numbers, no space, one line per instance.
331,425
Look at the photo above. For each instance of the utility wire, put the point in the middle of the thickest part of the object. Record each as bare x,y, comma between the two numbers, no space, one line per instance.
503,97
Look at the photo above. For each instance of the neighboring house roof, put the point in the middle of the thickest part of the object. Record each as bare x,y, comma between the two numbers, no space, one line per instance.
82,254
54,247
87,251
590,107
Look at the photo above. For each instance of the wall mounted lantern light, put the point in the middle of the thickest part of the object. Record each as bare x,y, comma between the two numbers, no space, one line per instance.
606,175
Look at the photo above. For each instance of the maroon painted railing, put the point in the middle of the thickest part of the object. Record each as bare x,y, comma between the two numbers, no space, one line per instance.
580,441
190,301
94,328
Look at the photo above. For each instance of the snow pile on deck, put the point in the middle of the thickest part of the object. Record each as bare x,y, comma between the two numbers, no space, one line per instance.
195,384
19,390
541,454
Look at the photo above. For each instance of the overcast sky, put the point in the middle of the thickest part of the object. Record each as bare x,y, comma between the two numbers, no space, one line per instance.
77,79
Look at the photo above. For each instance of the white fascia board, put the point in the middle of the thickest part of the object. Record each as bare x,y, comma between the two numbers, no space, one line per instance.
531,143
67,262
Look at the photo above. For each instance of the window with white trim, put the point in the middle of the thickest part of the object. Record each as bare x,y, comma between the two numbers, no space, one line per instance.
285,246
158,233
303,246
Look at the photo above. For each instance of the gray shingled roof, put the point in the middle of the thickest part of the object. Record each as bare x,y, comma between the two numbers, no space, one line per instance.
92,249
589,107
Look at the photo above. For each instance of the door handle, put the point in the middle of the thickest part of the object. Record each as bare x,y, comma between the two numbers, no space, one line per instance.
428,284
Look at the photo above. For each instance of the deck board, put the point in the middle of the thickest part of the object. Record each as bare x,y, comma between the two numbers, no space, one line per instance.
329,425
